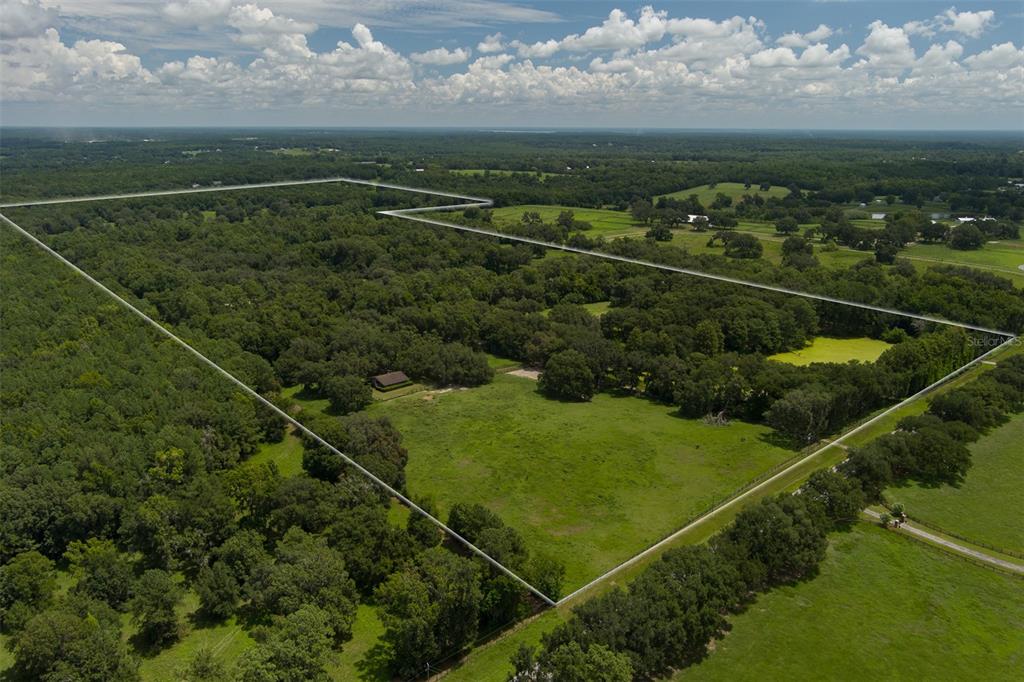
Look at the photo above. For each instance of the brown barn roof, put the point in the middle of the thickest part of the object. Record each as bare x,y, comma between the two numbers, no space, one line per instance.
390,379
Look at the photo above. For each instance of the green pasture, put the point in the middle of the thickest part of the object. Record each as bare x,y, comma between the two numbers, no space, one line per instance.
605,223
596,309
499,364
287,455
986,507
883,607
734,190
827,349
592,483
1007,255
697,243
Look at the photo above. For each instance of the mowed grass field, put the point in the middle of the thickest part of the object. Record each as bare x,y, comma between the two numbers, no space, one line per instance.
1007,254
734,190
987,507
591,483
605,223
827,349
884,607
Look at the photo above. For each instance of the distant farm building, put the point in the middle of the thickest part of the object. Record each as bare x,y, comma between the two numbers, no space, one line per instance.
390,381
878,216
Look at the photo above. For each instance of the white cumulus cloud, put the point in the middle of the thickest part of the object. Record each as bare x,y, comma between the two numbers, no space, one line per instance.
491,43
794,39
196,12
441,56
22,18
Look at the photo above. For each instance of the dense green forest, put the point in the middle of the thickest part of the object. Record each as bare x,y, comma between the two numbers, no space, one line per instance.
125,465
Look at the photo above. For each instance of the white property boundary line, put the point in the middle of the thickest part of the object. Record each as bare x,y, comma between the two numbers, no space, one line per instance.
479,202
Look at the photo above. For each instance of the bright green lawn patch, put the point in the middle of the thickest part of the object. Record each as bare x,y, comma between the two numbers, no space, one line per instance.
697,243
6,657
1005,255
735,190
287,455
363,656
398,513
292,151
305,399
987,506
605,223
826,349
492,661
869,223
883,608
591,483
227,640
498,363
598,309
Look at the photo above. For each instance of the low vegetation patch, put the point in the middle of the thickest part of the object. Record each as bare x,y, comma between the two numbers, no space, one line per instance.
826,349
706,194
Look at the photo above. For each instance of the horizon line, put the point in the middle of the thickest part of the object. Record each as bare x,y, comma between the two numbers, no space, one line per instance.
498,128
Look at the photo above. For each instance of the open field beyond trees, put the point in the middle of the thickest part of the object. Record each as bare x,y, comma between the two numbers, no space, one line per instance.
1003,258
733,190
986,507
591,483
883,607
825,349
604,222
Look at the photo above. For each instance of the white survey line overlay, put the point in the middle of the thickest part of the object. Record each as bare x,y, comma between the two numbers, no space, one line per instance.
479,202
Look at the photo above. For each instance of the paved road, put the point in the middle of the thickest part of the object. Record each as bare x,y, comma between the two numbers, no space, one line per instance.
907,527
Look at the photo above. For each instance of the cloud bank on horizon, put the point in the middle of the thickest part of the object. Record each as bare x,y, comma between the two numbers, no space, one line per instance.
648,67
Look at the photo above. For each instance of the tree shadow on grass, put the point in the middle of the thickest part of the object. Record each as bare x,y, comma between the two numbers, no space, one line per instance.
777,440
373,665
146,648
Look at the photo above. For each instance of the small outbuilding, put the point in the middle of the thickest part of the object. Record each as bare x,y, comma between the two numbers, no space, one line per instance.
390,381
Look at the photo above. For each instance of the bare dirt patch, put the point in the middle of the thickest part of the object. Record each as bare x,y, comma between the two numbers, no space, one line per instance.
532,374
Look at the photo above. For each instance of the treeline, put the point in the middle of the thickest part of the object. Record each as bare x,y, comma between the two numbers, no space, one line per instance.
327,296
932,448
955,292
129,468
668,615
587,169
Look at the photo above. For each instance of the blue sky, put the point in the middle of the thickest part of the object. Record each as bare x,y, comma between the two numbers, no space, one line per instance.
916,65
